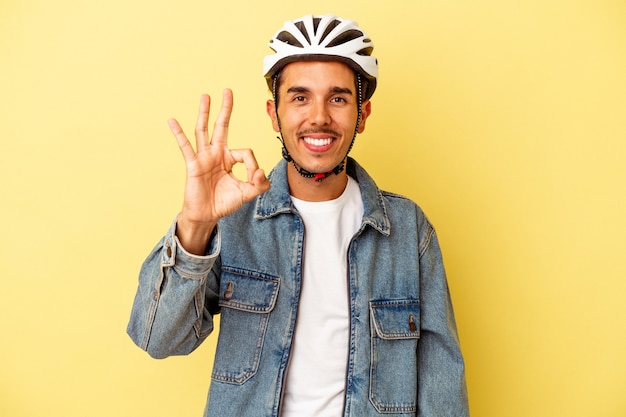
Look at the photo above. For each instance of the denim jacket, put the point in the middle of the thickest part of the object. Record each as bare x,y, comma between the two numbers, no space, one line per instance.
404,356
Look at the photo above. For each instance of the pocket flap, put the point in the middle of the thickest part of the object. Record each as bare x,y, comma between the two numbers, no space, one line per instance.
248,291
396,319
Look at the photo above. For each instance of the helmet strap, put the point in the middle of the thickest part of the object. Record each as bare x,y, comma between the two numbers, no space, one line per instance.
318,176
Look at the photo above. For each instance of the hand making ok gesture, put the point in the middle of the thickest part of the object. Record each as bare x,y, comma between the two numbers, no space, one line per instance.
211,189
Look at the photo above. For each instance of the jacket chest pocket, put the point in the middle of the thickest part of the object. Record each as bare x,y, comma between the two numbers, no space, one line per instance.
395,331
246,300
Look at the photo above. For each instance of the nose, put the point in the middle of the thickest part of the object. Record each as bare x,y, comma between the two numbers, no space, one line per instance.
319,114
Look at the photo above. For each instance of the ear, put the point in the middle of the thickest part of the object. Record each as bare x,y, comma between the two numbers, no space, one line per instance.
366,110
270,108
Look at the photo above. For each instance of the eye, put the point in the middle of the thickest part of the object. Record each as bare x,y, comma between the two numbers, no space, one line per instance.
338,99
299,98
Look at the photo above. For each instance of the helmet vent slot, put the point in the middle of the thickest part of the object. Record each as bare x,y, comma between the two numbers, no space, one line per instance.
345,37
329,28
288,38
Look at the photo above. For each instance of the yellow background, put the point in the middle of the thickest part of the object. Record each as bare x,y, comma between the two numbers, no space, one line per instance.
505,120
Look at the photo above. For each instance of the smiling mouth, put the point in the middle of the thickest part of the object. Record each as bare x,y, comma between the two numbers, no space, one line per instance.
318,139
317,142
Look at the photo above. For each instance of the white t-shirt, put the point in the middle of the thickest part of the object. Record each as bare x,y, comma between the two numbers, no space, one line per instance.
316,376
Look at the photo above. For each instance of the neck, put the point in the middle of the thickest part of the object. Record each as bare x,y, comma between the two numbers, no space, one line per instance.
308,189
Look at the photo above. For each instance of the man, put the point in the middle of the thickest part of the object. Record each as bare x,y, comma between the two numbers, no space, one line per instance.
332,293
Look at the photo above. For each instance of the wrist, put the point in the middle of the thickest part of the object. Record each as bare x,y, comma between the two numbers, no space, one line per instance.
193,235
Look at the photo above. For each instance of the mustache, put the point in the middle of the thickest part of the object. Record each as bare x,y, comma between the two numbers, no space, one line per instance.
327,131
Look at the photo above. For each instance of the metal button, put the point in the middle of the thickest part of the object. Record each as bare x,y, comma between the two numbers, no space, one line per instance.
412,325
169,249
228,294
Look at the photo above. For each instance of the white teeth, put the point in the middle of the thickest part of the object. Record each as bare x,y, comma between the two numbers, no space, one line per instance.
317,142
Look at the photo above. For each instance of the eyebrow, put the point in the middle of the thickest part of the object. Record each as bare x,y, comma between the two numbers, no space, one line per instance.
334,90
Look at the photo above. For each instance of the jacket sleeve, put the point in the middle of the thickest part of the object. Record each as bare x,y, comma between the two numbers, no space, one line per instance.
176,298
442,390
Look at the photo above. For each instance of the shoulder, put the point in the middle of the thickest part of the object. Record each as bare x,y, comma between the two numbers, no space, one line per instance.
405,214
399,202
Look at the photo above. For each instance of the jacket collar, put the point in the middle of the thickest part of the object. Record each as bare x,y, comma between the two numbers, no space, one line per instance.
277,200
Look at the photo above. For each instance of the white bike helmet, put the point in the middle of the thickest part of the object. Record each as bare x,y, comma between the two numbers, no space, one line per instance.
322,38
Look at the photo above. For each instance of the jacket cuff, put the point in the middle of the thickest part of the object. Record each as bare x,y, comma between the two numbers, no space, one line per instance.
192,266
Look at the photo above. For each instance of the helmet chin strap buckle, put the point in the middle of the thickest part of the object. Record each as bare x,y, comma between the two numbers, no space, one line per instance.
319,177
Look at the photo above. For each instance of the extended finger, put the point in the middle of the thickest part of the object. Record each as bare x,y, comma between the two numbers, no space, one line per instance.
202,124
220,132
183,143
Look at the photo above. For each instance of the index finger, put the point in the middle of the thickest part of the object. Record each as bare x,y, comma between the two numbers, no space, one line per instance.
220,131
181,138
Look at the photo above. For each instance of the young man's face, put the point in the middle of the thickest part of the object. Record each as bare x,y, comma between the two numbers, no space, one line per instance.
318,113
